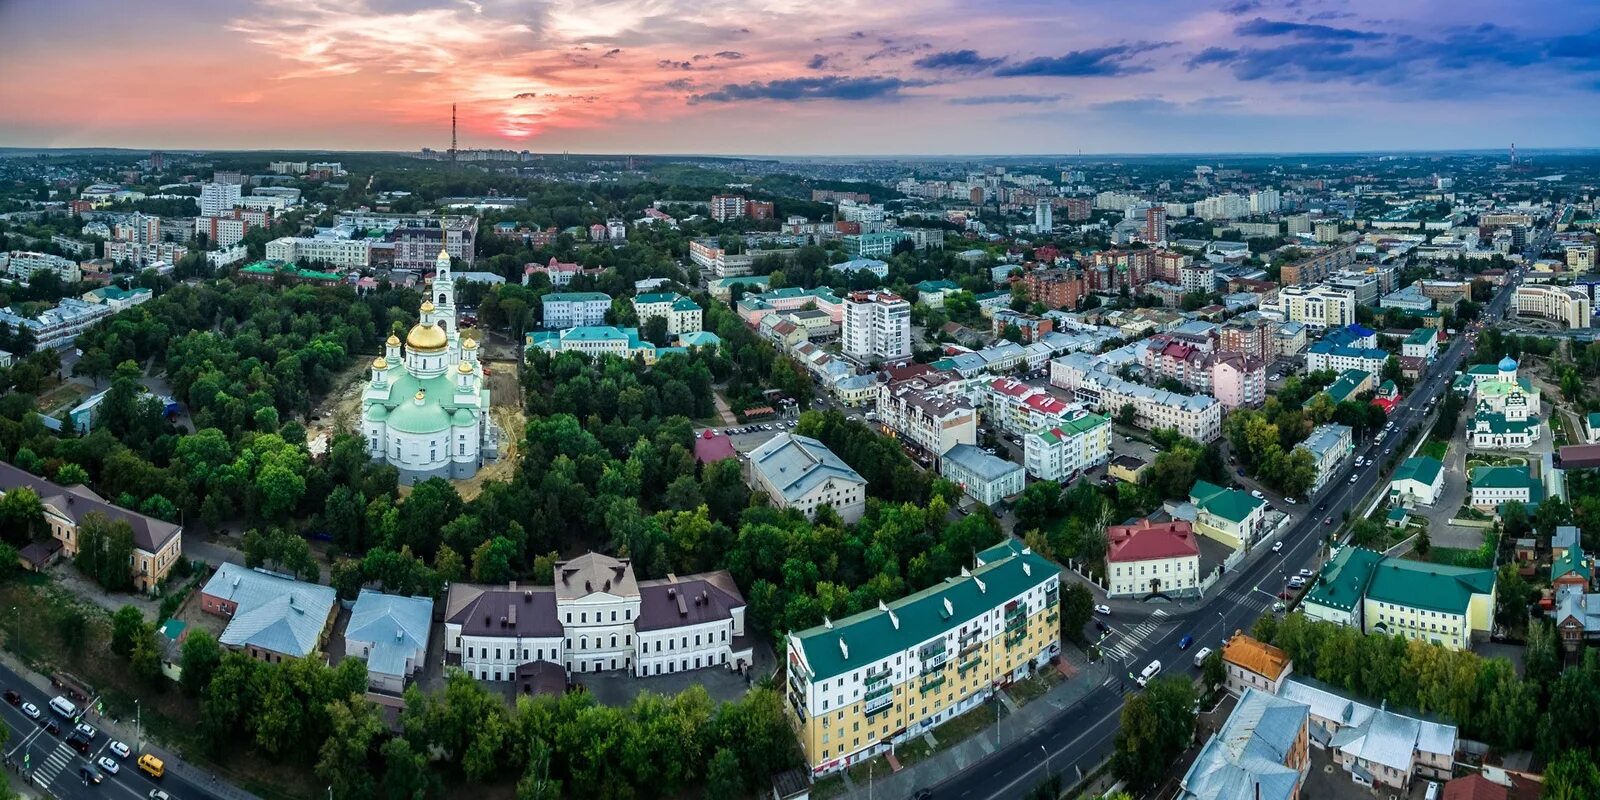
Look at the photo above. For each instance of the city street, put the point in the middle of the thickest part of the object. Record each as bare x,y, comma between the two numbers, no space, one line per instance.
53,765
1083,738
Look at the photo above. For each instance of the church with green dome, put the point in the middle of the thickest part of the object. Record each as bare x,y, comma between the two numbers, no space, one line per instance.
426,407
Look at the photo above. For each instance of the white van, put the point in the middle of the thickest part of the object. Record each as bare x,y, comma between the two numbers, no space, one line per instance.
1200,657
64,707
1150,672
1433,791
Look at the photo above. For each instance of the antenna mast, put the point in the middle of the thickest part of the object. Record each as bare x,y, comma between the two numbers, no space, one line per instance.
452,132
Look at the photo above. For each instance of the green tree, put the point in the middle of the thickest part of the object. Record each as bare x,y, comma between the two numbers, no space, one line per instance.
1127,415
405,774
1077,606
491,562
1157,725
70,474
126,626
1572,776
1213,671
21,515
199,660
346,755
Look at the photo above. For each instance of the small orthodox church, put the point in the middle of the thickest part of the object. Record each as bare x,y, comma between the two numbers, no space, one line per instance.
426,408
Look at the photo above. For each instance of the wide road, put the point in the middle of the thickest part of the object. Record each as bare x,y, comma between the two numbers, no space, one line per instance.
1082,737
54,765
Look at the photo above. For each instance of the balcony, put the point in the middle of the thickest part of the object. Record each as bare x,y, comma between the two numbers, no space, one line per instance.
931,684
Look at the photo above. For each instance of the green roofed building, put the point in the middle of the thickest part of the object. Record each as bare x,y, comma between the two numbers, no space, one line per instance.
1494,486
1351,382
273,271
858,686
1230,516
1445,605
1571,566
1418,481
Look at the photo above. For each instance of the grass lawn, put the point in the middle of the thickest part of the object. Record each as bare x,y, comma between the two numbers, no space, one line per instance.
1495,461
62,398
1027,691
1436,448
1448,556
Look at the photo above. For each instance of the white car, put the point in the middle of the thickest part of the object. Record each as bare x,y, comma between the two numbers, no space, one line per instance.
1103,609
87,730
1256,493
1305,573
1360,461
121,750
108,765
1277,547
157,794
1297,582
31,710
1355,477
1291,501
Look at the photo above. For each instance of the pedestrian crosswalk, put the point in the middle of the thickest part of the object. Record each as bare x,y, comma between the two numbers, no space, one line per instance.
59,760
1129,643
1247,598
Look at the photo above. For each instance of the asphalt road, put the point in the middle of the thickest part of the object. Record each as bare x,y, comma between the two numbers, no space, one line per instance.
53,764
1083,737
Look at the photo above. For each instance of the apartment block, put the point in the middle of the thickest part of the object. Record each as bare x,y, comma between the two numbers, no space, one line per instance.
859,686
932,419
683,315
561,310
1318,306
876,326
1079,442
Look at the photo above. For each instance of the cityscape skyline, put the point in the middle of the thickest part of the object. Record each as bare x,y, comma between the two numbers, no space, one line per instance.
774,77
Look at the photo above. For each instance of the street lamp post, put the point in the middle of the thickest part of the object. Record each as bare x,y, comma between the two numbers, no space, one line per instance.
138,727
1046,762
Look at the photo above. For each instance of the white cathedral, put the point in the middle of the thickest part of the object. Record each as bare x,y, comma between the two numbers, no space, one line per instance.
426,410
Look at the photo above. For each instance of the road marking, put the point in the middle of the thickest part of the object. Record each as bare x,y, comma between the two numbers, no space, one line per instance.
58,760
1160,612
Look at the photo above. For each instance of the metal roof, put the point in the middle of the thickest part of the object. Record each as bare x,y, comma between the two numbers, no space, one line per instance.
394,627
272,612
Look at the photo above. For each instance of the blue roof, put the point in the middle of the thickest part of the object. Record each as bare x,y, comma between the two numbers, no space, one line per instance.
272,612
395,628
1508,364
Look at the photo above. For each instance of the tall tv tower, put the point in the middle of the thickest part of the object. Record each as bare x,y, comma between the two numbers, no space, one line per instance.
1513,154
453,133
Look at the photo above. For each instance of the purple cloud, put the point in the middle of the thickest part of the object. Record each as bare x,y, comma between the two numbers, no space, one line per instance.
1261,27
957,61
1099,62
832,87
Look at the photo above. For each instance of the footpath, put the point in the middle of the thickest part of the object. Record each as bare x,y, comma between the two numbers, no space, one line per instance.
1020,720
123,730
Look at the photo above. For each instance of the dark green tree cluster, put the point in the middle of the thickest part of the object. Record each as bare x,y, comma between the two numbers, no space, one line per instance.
1157,726
1547,708
890,473
105,549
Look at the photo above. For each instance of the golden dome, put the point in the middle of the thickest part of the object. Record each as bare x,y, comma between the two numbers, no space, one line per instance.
469,344
426,337
421,396
394,341
427,306
464,368
380,362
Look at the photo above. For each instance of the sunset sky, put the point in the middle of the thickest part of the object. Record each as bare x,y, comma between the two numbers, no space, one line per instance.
801,77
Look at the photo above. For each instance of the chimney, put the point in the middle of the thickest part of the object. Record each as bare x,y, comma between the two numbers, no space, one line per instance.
587,587
527,597
608,584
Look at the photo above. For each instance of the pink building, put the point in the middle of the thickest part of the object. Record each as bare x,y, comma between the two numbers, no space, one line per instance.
1238,380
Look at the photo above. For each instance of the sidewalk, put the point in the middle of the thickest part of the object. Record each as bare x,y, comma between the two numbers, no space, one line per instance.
946,763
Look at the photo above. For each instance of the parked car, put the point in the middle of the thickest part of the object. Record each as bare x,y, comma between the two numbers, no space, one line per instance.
121,750
1256,493
1305,573
1103,609
108,765
1290,500
1277,547
1296,582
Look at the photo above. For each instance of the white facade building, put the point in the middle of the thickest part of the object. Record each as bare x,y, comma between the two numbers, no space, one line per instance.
801,472
1080,442
339,252
876,326
1318,306
933,420
1566,305
683,315
21,264
217,199
563,310
426,411
984,477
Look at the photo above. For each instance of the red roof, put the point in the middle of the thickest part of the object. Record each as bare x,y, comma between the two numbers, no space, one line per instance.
1145,541
1386,403
709,447
1046,404
1474,787
1011,387
1177,350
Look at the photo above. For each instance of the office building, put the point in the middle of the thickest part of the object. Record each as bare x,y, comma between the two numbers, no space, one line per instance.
1328,445
351,253
598,617
876,326
1043,216
1318,307
1148,558
801,472
390,633
1079,441
1377,594
1230,516
985,478
561,310
1417,481
59,326
682,314
596,341
859,686
157,544
417,240
1570,307
930,418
